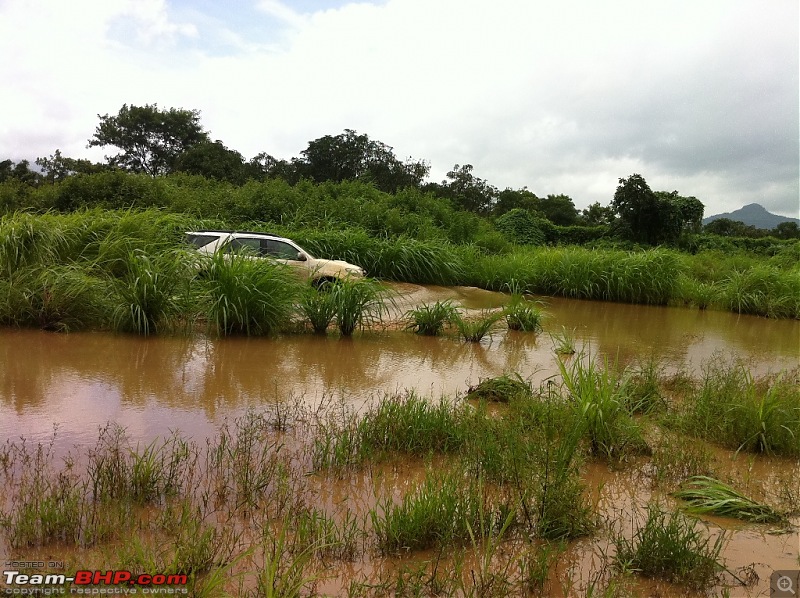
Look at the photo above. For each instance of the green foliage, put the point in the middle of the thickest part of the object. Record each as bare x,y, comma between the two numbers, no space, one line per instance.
149,294
473,330
524,316
705,495
669,546
212,160
445,509
319,307
599,399
251,296
350,156
357,302
733,408
151,140
520,227
430,319
654,217
501,389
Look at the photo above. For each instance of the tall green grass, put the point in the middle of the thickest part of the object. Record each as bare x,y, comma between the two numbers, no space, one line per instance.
599,398
430,319
357,303
740,411
671,547
445,509
250,296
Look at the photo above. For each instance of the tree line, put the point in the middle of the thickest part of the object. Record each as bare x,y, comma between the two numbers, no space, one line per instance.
158,142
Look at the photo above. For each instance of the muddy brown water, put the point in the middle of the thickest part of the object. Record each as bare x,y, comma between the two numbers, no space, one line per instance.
77,383
81,381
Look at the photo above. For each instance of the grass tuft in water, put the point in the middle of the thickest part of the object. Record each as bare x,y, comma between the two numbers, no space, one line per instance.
358,303
708,496
737,410
501,389
670,546
249,296
473,330
445,509
599,399
319,307
430,319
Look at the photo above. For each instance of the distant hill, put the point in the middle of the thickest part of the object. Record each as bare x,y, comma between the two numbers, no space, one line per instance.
753,215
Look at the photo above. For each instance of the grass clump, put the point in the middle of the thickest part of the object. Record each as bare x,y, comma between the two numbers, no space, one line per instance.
148,296
445,509
737,410
706,495
430,319
406,424
564,341
319,308
669,546
501,389
247,296
473,330
357,302
599,397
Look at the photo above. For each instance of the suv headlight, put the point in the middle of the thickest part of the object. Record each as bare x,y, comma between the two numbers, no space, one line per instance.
355,271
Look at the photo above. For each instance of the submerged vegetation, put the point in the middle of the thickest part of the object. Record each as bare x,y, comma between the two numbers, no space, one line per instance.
495,495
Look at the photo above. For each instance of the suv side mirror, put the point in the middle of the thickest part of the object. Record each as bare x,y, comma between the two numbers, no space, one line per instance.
301,257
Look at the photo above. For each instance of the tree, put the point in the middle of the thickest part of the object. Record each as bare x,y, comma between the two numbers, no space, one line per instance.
20,171
350,156
468,191
213,161
725,227
597,215
150,139
559,209
648,217
787,230
508,199
56,168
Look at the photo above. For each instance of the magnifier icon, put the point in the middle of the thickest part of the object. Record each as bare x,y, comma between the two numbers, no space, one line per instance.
785,584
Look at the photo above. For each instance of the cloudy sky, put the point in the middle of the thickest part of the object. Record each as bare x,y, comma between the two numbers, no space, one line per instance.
698,96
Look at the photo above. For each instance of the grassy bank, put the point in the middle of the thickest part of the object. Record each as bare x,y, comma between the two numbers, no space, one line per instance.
130,272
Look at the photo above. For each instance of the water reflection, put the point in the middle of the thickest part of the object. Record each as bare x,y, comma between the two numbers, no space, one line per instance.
153,385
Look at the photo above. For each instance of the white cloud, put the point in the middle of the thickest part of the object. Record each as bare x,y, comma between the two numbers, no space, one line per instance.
699,96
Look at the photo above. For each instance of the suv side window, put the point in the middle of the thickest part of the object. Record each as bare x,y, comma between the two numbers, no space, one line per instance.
200,240
279,249
245,245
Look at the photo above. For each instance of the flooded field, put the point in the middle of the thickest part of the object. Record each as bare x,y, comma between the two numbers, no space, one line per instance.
63,389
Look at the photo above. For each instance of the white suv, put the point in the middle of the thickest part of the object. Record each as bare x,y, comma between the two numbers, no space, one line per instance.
275,248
